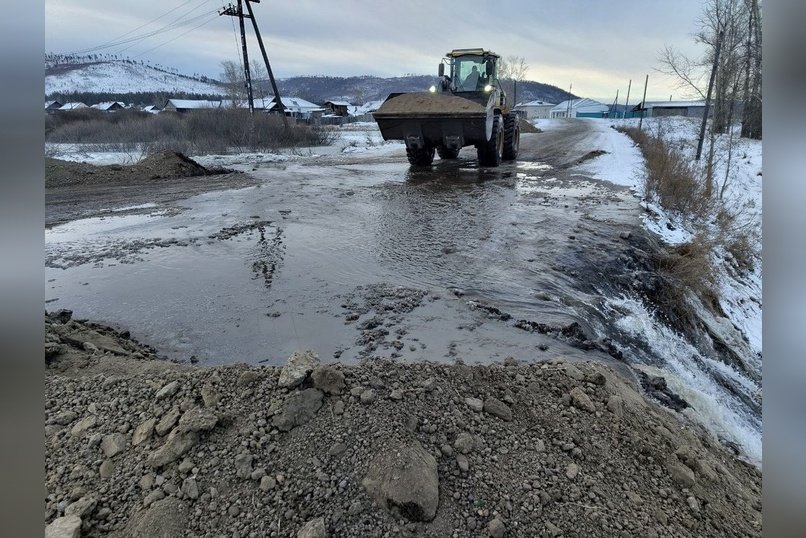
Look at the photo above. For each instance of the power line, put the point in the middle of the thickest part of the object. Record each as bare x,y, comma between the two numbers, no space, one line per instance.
166,28
180,35
146,24
181,24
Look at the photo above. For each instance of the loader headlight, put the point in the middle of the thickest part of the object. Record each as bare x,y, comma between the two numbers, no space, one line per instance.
432,89
488,88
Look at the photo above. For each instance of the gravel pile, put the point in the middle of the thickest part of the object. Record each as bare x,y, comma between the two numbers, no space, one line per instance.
143,447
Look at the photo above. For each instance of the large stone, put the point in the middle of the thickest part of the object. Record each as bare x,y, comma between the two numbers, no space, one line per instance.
177,444
496,528
404,479
298,409
475,404
198,419
615,405
166,518
498,409
64,527
113,444
465,443
581,400
190,488
297,368
315,528
328,379
680,473
243,465
80,427
168,390
168,421
82,507
143,431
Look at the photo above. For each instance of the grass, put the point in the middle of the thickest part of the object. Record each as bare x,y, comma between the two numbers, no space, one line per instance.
197,132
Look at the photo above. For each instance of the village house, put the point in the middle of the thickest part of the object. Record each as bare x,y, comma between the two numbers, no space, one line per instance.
186,105
579,108
535,109
338,108
652,109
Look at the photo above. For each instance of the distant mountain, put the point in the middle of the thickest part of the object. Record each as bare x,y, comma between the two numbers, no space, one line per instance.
102,77
359,90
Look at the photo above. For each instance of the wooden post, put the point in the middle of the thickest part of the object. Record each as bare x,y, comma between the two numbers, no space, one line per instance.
643,105
248,79
627,102
266,60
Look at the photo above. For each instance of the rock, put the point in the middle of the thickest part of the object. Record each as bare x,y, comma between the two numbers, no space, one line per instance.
299,408
143,432
168,390
315,528
243,465
80,427
82,508
267,483
446,450
177,444
328,379
464,443
597,378
186,466
168,421
248,378
64,418
107,468
572,371
553,530
498,409
463,463
581,400
496,528
616,405
572,470
297,368
210,396
396,394
338,407
198,419
367,397
337,449
680,473
693,503
475,404
113,444
190,488
404,479
146,482
153,497
625,235
167,518
64,527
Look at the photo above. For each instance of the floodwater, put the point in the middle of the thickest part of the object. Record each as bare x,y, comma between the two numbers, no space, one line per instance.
362,256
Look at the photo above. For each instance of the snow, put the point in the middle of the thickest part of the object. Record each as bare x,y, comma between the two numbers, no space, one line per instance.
120,77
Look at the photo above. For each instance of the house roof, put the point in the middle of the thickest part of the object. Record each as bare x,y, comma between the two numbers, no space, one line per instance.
535,103
72,106
52,104
581,105
295,104
192,104
671,104
338,103
106,105
370,106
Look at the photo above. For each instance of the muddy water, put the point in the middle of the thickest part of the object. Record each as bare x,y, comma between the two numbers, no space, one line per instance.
361,256
355,258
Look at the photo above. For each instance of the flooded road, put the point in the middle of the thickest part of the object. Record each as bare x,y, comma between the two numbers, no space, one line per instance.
357,256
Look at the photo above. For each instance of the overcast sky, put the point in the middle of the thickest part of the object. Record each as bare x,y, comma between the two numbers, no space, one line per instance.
595,45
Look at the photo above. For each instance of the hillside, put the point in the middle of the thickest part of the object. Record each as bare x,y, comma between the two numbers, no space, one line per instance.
109,75
101,74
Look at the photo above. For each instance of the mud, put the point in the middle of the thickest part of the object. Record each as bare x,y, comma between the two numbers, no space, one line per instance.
428,103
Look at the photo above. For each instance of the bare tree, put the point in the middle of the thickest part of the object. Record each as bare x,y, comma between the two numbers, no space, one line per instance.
511,70
232,77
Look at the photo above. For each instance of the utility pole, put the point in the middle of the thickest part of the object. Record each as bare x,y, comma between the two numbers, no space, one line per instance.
643,104
615,103
238,12
568,110
277,99
627,102
708,96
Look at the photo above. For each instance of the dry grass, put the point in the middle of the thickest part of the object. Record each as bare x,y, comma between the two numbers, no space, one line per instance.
203,131
671,177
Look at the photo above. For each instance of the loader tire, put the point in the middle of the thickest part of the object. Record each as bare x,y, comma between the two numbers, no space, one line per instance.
447,153
512,137
420,157
491,152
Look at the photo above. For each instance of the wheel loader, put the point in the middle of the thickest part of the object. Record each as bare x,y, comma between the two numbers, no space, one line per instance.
467,107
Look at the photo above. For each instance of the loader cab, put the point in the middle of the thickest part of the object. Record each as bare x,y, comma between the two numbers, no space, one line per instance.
472,70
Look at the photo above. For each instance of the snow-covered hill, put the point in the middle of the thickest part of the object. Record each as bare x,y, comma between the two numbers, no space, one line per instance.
120,76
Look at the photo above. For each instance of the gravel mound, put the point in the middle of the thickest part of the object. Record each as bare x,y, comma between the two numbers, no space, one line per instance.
160,165
135,444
